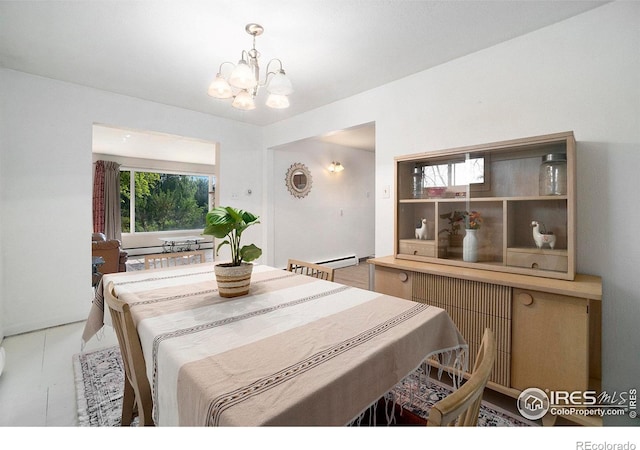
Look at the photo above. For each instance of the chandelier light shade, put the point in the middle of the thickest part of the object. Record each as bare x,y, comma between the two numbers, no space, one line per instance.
277,101
280,84
244,101
242,81
220,88
335,167
242,76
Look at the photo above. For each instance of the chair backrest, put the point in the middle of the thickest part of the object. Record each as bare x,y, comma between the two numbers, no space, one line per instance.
98,237
132,357
310,269
159,260
462,407
110,252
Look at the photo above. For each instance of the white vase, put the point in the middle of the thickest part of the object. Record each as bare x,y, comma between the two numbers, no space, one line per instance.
470,246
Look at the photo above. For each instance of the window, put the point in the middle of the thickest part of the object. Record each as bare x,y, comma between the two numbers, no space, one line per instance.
164,201
463,173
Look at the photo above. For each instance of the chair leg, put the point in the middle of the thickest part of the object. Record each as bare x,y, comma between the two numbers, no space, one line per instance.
144,415
128,403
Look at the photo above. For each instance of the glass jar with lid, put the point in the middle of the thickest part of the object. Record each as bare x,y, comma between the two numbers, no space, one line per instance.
553,174
417,182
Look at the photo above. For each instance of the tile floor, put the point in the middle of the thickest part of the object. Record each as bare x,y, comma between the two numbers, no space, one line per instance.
37,384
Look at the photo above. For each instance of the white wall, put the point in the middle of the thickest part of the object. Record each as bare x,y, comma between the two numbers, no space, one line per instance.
45,183
336,218
582,74
2,313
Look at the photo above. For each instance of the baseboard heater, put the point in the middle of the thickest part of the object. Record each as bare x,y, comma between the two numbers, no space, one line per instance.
337,263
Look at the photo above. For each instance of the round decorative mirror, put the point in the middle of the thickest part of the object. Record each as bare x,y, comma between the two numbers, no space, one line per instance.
298,180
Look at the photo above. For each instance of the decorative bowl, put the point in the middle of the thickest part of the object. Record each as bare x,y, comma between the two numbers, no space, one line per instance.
436,192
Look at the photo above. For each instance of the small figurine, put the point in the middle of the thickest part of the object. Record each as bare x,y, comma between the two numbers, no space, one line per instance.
541,236
421,233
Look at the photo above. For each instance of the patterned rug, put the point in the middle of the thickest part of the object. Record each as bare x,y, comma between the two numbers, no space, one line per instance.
99,377
417,395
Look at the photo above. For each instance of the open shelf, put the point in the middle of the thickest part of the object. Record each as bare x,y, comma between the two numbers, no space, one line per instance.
502,183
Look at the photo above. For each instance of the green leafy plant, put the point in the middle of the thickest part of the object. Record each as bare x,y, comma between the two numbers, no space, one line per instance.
455,218
228,222
471,220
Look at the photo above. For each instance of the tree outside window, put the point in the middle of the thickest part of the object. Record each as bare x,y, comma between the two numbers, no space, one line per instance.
163,202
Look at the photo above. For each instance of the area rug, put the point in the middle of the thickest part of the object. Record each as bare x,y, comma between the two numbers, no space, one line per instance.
99,377
417,394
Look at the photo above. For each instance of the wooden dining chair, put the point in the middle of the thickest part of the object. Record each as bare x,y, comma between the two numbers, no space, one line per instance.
310,269
137,391
462,407
159,260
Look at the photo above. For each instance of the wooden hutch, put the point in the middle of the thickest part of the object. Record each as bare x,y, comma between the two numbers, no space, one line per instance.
545,316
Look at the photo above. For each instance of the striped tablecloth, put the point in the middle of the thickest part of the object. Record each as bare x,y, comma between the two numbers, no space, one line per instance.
295,351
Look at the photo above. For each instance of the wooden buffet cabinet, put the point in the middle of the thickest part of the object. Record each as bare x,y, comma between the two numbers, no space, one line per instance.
546,318
547,330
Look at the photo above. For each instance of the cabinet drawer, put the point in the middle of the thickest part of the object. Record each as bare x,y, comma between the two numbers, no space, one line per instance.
393,282
538,259
417,247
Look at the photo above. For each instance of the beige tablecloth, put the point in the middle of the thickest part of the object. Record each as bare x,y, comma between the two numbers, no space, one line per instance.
295,351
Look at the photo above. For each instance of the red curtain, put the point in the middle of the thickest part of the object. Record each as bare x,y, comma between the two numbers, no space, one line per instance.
98,198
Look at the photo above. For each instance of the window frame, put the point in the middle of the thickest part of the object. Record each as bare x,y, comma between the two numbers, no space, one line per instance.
132,201
450,163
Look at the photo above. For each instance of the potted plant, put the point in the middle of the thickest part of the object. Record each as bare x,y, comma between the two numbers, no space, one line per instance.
454,218
222,222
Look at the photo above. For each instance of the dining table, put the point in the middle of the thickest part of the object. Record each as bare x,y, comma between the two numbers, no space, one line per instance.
295,351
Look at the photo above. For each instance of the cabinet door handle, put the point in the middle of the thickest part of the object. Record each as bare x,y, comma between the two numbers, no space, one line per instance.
402,276
525,299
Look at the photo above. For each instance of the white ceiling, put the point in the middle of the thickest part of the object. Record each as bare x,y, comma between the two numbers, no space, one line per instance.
362,137
169,51
151,145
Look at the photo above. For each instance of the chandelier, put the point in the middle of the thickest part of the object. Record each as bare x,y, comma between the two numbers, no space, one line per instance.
242,81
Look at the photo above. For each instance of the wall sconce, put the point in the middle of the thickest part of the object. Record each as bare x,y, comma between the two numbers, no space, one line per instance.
336,167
